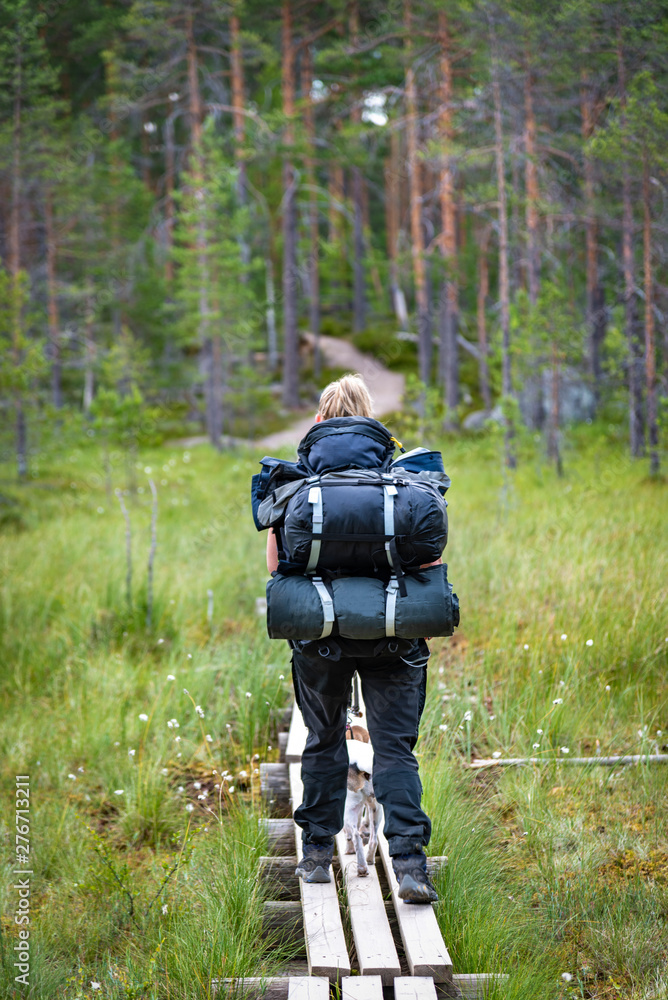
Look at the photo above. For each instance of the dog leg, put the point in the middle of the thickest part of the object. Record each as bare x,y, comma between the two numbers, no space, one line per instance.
375,821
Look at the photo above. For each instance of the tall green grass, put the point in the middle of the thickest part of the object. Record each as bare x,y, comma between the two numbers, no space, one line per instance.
553,870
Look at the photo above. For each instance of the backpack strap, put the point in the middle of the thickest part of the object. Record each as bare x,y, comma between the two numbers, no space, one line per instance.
389,493
391,590
327,602
315,498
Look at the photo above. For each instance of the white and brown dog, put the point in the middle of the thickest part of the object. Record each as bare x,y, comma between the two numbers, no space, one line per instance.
363,813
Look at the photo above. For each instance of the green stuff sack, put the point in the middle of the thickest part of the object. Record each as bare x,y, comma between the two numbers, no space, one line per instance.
306,608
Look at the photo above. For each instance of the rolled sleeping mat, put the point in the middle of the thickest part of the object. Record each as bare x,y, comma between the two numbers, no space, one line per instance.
356,607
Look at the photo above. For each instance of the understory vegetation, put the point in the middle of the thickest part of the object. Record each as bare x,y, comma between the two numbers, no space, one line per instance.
143,745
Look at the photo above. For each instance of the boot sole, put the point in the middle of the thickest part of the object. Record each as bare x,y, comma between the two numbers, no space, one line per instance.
416,892
318,875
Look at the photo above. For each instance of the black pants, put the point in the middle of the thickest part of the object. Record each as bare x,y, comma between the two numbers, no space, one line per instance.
394,693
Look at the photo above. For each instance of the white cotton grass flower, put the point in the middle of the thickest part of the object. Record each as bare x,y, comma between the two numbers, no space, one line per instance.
165,910
526,645
94,985
496,754
186,691
200,711
536,746
209,738
558,701
79,769
119,791
172,724
589,642
131,752
564,637
540,732
189,807
468,716
249,694
565,750
231,789
443,728
177,739
607,687
165,771
171,677
566,976
281,677
143,717
197,784
72,777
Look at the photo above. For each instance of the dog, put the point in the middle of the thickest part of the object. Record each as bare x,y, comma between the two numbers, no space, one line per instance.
362,813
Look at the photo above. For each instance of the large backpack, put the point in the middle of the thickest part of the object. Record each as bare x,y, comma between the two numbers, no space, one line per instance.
353,529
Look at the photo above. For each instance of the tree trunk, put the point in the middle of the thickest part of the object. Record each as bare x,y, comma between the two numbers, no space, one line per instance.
532,194
169,199
417,239
449,345
89,358
313,228
635,392
392,169
483,290
236,69
359,293
200,208
216,391
595,312
650,359
504,296
52,304
15,268
359,290
553,449
290,334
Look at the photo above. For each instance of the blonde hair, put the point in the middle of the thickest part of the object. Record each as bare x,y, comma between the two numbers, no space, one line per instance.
346,397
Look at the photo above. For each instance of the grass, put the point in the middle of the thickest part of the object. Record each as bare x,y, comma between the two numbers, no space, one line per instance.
144,837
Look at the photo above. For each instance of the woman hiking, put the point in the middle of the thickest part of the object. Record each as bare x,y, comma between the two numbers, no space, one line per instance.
392,674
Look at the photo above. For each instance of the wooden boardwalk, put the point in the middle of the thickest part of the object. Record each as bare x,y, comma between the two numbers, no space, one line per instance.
382,952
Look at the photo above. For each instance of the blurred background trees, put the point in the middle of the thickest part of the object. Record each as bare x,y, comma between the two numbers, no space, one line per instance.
475,193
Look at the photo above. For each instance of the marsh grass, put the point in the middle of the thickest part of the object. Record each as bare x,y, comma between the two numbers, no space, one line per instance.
553,870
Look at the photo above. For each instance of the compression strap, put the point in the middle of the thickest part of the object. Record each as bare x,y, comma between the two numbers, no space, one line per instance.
327,607
389,493
315,498
391,606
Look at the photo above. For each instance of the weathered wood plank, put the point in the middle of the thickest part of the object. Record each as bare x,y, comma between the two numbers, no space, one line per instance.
275,787
414,988
627,760
425,949
308,988
362,988
376,951
476,986
280,835
296,737
323,932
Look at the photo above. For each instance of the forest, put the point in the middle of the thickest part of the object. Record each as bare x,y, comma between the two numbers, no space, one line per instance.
474,192
209,209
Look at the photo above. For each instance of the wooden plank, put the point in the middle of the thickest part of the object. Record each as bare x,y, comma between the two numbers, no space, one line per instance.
296,737
477,986
425,949
362,988
323,932
376,951
624,761
308,988
414,988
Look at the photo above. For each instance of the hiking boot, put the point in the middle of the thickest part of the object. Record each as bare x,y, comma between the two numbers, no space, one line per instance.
315,863
414,883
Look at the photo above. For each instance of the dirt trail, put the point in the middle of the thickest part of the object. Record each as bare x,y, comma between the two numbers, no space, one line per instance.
386,387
